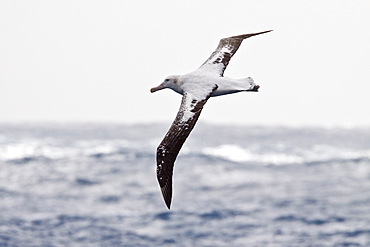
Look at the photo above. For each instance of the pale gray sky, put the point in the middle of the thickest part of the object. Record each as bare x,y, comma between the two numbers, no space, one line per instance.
96,60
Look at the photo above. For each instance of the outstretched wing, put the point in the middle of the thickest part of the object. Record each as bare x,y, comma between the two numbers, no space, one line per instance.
227,47
170,146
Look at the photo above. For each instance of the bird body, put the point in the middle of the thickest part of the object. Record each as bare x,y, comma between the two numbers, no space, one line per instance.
196,87
196,81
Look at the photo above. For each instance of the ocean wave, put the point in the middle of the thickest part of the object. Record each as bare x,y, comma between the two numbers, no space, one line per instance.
313,154
310,221
282,147
97,187
31,150
43,150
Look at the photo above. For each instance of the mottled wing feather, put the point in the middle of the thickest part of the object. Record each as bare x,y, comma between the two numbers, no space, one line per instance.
170,146
226,48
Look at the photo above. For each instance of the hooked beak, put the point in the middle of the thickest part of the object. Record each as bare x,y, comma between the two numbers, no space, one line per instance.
154,89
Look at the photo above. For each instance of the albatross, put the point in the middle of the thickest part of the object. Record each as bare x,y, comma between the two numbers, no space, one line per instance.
197,87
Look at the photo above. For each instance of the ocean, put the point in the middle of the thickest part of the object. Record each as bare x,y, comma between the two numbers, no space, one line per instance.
255,186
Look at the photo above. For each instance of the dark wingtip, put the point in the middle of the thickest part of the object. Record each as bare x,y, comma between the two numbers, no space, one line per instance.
263,32
168,204
244,36
167,194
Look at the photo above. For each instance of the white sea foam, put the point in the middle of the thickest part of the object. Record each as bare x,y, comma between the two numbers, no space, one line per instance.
52,149
316,153
237,154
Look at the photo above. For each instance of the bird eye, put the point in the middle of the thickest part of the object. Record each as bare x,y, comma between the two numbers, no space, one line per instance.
166,80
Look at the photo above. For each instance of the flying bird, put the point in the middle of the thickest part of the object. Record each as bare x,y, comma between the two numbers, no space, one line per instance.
196,87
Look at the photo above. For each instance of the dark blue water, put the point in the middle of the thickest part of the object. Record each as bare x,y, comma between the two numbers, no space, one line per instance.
95,185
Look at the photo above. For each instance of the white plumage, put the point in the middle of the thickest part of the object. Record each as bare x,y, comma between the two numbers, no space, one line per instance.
196,88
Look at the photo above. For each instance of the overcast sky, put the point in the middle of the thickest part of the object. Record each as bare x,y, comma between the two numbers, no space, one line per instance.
73,61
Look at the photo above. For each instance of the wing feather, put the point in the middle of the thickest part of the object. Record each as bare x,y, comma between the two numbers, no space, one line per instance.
226,48
171,144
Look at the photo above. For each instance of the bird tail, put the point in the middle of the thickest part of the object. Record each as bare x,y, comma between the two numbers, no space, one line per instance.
251,86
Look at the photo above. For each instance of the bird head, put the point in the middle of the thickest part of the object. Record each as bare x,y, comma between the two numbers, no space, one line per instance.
169,82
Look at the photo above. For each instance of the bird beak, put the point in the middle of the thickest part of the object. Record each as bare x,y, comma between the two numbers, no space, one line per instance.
154,89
